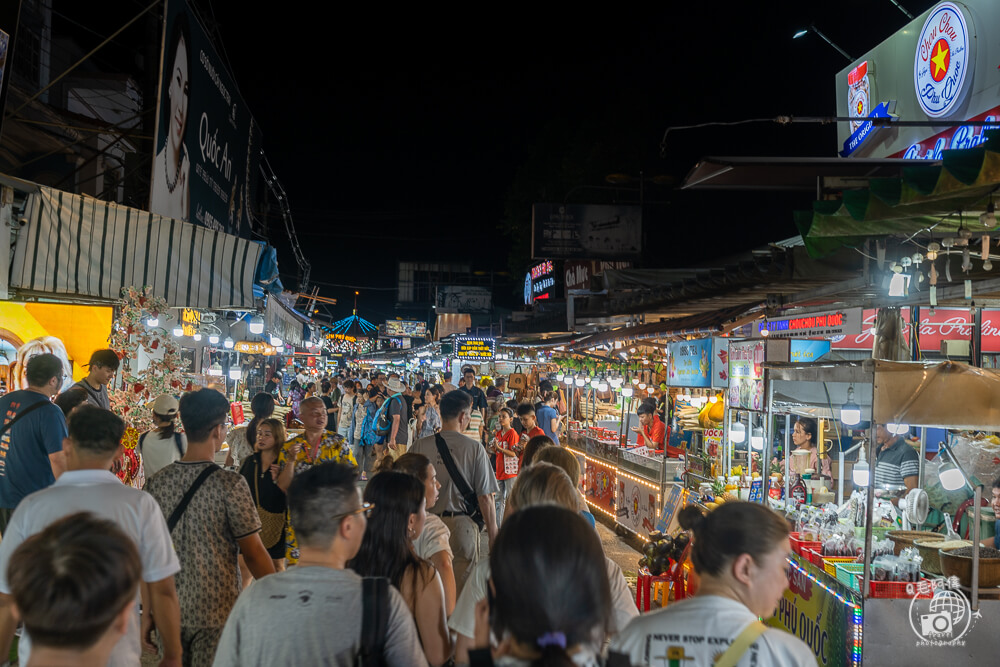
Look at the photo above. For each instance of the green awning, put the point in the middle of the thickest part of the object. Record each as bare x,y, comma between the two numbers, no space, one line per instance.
925,196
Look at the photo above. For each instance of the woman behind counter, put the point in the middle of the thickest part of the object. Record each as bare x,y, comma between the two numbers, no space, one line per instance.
804,437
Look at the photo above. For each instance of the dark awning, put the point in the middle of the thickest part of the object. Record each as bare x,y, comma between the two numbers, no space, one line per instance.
793,173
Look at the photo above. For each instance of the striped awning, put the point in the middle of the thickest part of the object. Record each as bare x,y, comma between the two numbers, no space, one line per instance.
79,246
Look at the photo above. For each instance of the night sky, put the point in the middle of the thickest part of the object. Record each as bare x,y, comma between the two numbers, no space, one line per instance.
409,133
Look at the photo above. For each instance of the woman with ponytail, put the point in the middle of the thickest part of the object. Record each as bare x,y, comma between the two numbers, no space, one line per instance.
740,552
550,600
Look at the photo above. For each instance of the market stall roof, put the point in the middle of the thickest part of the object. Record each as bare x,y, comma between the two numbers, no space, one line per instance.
77,246
703,324
809,174
939,197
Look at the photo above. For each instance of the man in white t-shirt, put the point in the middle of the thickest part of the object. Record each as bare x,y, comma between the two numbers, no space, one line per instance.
319,601
87,486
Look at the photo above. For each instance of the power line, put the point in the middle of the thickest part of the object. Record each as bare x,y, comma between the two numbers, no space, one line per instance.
286,215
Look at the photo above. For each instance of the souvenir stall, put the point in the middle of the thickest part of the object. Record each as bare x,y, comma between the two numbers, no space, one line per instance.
880,566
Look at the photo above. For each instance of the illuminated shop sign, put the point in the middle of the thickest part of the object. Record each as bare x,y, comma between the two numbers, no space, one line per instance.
190,321
539,282
475,349
944,61
254,347
838,323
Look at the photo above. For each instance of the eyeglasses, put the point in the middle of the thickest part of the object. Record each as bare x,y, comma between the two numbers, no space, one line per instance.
365,507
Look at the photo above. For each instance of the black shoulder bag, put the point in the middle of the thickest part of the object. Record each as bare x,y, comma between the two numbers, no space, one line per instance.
182,505
468,495
374,621
22,413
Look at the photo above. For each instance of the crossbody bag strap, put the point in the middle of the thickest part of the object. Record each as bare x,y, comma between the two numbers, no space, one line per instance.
182,505
456,476
747,636
22,413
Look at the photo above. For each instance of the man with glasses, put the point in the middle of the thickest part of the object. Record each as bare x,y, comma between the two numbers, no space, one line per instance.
102,367
218,523
320,600
473,465
32,430
316,445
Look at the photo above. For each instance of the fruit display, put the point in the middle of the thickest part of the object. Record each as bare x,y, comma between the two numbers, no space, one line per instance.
659,554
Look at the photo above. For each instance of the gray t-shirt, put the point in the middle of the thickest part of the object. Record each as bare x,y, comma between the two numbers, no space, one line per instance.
320,612
397,406
471,461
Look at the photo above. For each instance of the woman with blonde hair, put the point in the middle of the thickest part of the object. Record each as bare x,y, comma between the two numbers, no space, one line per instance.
540,484
34,347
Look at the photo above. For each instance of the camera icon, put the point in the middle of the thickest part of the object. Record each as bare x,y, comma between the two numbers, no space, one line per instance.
935,624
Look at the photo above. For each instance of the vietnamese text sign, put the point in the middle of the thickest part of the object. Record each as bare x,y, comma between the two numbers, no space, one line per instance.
205,166
406,328
586,231
808,351
690,363
475,349
254,347
837,323
943,324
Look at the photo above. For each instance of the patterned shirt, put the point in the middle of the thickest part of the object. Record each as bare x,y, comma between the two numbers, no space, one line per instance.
894,464
332,448
206,537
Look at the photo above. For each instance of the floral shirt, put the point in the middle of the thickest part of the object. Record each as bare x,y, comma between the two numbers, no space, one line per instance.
332,448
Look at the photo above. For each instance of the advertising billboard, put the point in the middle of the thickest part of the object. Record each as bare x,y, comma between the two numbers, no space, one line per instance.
690,363
206,157
406,328
475,349
583,231
539,282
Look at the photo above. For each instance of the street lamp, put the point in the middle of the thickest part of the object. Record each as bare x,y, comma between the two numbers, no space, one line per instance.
812,28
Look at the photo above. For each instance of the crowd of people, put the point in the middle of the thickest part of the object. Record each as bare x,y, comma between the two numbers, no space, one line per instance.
407,524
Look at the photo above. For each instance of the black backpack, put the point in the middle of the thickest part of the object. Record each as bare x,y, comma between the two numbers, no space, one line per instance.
177,441
374,620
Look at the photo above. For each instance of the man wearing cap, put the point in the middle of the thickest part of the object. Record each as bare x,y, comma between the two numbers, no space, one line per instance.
399,413
102,367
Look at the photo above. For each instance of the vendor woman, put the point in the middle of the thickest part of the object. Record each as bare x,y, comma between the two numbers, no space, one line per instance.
804,437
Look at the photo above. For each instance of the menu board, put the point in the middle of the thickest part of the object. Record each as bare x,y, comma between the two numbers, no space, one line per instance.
475,349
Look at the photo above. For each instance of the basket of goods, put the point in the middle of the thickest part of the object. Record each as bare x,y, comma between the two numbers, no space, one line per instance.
958,562
897,576
929,552
905,538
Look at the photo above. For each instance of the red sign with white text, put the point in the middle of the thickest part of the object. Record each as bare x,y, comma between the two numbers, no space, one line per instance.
944,324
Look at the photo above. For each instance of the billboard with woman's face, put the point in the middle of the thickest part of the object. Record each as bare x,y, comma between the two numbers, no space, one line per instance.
206,162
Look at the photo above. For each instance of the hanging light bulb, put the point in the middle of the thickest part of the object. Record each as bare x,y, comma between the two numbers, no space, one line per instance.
215,369
580,381
256,324
275,341
616,381
603,384
213,339
197,335
153,321
950,476
594,383
235,374
861,474
757,439
229,343
627,391
898,429
559,377
178,330
713,399
737,432
642,386
850,412
635,380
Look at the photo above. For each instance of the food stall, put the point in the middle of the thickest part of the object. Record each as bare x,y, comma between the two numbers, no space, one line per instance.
931,609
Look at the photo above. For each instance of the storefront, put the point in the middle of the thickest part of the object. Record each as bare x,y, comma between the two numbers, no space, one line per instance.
922,615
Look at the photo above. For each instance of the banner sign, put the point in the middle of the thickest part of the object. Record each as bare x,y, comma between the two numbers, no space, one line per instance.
600,485
690,363
636,505
720,363
475,349
867,127
406,328
944,324
586,231
207,151
814,614
746,374
837,323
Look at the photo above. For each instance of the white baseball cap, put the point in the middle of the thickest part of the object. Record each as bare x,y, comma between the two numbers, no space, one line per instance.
166,405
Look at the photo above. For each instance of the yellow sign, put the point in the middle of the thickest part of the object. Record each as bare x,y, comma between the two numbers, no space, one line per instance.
349,339
254,347
190,321
475,349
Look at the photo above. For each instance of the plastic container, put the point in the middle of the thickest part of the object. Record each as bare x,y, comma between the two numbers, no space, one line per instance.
847,574
898,590
798,545
813,556
830,563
